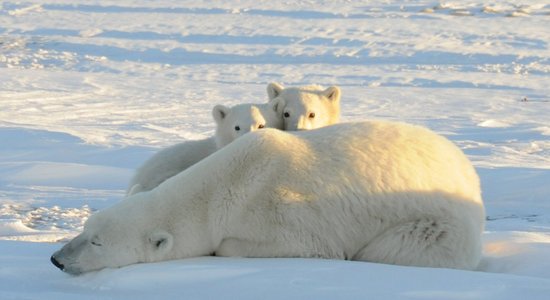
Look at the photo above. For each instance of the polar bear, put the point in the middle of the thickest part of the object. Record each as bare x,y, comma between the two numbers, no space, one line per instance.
231,123
307,107
373,191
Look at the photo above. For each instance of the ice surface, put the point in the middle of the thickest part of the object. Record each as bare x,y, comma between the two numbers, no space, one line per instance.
90,89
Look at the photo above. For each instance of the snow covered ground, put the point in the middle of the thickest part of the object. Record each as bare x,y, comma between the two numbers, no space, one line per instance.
90,89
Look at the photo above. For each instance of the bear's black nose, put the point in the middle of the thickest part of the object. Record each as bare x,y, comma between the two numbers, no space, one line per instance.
56,263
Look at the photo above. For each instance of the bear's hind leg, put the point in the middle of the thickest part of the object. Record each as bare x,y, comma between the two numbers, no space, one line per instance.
425,242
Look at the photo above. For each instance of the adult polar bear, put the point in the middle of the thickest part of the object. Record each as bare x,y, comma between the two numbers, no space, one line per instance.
372,191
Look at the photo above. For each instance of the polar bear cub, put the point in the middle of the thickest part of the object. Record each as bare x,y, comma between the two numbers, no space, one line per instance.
397,194
307,107
231,123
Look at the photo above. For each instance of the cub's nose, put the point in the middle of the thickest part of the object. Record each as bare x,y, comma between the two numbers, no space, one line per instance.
57,263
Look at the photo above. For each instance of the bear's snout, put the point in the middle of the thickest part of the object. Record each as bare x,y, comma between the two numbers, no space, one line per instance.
56,263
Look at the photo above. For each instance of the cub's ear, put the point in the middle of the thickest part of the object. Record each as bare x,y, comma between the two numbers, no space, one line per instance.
219,112
332,93
137,188
274,90
161,241
278,105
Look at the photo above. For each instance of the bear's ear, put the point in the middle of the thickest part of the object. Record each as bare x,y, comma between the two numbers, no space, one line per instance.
161,241
219,112
274,90
332,93
278,105
135,189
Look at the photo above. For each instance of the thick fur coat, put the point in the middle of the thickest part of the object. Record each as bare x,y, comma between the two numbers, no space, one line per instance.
373,191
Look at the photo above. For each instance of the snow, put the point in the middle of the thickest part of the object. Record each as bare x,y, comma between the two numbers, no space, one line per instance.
214,277
90,89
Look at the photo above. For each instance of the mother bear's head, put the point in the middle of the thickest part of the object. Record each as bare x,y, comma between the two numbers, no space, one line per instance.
111,240
134,230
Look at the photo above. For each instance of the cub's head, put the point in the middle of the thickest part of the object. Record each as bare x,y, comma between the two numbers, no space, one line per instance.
304,108
233,122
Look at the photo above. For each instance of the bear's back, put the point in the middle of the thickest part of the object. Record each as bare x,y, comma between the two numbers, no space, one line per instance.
384,156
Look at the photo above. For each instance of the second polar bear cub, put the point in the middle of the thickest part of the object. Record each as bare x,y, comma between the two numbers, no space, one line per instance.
307,107
231,123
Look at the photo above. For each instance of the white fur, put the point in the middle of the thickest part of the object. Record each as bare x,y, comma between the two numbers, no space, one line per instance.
374,191
307,107
172,160
245,117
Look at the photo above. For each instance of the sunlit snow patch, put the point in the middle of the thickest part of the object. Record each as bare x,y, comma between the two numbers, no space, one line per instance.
515,252
493,124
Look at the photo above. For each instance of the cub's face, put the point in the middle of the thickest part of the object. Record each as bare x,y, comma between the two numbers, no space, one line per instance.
238,120
304,112
306,108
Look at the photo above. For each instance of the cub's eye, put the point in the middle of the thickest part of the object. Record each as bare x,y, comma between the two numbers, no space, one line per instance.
286,115
261,126
312,115
237,128
95,243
